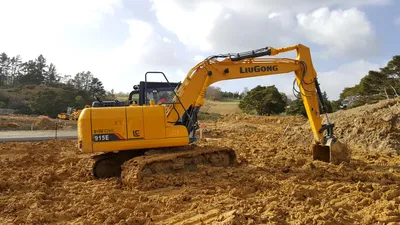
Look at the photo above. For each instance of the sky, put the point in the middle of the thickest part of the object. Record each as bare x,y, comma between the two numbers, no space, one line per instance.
120,40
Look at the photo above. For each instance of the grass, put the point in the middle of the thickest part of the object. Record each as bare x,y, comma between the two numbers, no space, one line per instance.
226,107
208,116
230,100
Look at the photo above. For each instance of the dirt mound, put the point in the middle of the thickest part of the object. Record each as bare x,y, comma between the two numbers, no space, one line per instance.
45,123
4,124
371,127
29,122
368,128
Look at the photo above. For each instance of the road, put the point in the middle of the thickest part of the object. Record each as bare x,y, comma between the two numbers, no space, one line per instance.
37,135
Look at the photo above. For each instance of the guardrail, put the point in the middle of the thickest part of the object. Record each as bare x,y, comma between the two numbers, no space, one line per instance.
37,135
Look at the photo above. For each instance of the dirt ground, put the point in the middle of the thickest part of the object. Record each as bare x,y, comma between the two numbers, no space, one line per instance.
30,122
274,182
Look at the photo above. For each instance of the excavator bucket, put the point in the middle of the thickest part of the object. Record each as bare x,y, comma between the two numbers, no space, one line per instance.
333,151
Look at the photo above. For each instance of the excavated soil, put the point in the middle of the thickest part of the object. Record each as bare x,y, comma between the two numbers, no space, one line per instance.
30,122
274,182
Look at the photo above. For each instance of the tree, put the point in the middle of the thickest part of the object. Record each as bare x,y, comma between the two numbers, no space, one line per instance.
110,95
213,93
335,105
376,85
350,91
51,76
392,72
296,107
264,100
4,68
96,88
4,97
79,102
35,71
50,102
393,67
15,68
327,103
244,92
55,93
285,98
373,84
46,103
85,81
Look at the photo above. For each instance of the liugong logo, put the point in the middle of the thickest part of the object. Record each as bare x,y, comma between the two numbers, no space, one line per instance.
258,69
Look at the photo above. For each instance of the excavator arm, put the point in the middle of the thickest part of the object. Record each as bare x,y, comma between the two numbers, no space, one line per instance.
190,95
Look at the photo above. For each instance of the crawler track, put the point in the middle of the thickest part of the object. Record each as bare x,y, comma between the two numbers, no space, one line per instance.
181,160
109,164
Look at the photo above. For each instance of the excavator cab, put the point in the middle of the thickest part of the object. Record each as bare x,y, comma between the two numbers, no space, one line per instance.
142,94
160,92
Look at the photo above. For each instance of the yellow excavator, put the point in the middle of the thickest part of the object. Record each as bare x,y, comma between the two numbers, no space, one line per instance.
71,114
76,113
66,115
139,139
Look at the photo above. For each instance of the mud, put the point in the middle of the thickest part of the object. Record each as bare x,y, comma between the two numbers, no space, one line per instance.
274,182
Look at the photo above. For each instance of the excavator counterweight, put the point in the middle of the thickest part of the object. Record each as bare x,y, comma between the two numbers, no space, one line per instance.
157,133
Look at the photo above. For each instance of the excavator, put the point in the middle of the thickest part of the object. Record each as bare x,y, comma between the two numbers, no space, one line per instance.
66,115
140,139
71,114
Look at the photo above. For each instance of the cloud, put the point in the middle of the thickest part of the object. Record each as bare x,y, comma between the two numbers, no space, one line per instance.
191,25
75,36
57,29
346,75
340,31
199,58
33,27
48,12
142,51
231,26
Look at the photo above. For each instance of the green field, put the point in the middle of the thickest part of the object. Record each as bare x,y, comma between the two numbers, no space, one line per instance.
225,107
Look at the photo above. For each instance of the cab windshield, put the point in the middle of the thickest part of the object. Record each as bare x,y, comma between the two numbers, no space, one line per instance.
160,95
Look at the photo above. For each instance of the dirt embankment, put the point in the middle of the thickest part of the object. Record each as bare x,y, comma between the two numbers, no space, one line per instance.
367,128
275,181
25,122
